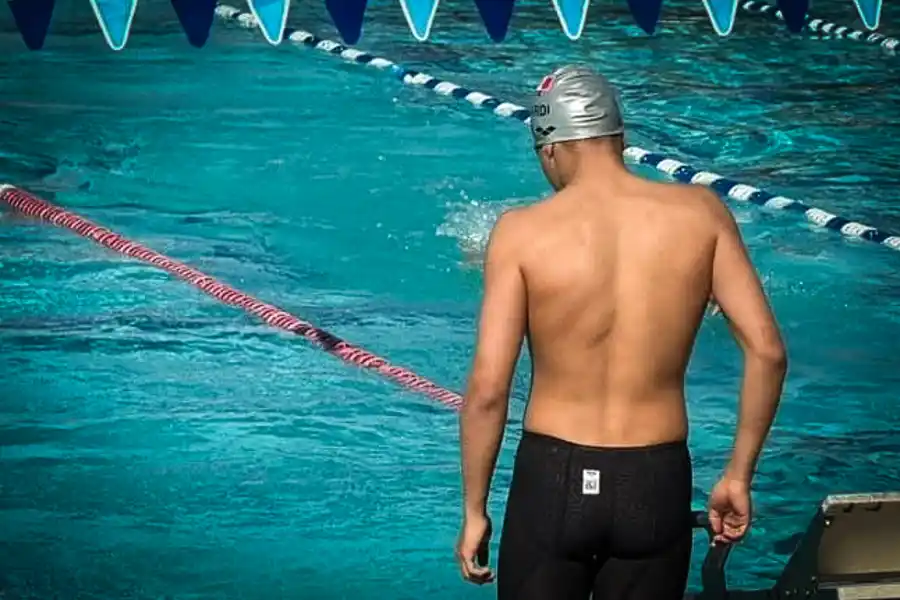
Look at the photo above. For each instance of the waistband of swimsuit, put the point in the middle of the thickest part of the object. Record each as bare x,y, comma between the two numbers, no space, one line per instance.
533,437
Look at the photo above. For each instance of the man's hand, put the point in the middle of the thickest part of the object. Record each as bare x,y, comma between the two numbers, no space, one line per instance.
730,510
472,550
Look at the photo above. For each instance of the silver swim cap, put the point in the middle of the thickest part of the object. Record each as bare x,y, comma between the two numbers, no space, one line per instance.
575,103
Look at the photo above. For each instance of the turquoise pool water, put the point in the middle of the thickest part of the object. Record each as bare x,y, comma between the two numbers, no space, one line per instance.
155,444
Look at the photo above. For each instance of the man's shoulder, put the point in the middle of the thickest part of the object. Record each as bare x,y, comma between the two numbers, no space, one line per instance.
699,200
517,228
518,217
687,191
510,224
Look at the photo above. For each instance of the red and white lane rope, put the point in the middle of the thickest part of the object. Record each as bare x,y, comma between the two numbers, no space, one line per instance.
35,207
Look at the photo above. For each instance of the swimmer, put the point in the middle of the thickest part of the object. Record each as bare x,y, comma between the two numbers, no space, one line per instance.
609,280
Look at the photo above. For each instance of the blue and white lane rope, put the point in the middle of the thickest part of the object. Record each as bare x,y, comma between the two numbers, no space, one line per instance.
826,27
747,193
674,168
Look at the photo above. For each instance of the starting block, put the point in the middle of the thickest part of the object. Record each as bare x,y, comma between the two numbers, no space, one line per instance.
850,551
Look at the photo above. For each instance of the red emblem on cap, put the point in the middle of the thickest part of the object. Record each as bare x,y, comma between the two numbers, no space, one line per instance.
545,86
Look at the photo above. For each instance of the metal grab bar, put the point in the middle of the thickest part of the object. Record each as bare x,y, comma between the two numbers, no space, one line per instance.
712,574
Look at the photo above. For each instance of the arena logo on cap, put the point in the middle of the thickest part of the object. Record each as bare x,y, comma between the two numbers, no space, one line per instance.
545,85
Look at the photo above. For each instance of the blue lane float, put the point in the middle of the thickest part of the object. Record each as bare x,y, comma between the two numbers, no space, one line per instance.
829,28
115,18
32,19
196,18
420,16
272,16
674,168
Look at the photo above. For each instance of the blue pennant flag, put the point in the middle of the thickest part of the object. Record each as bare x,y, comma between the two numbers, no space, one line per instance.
114,17
32,19
347,16
420,16
721,13
496,15
794,13
572,16
870,12
196,17
646,13
272,18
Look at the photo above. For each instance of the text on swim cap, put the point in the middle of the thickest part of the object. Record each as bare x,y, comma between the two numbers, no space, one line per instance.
540,110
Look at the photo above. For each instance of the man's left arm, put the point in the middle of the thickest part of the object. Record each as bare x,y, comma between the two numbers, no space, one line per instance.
501,330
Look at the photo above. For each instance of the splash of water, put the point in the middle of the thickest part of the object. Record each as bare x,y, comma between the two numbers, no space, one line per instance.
470,223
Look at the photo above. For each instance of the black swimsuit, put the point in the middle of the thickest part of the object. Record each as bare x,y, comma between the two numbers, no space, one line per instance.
612,522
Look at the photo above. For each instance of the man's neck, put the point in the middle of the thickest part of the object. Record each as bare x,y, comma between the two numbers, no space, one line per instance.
600,163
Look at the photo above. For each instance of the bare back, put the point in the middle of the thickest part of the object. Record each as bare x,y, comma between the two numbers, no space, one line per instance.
617,282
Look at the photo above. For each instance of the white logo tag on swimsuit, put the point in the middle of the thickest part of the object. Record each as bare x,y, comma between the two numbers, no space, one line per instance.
590,482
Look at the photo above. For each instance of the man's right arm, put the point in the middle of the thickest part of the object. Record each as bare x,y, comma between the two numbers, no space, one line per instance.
738,291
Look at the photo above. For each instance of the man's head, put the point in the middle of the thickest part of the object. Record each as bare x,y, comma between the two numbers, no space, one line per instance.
573,105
